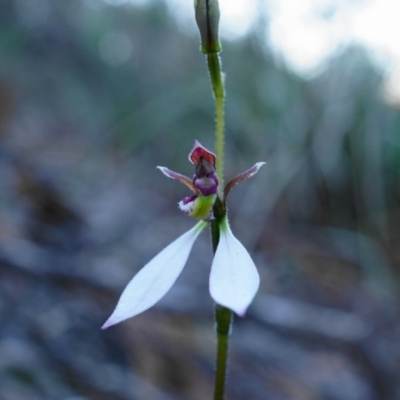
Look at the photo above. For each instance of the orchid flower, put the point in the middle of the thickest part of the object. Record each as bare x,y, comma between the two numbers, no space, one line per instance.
234,279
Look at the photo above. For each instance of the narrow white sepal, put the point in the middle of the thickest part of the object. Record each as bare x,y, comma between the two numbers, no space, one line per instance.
234,279
155,279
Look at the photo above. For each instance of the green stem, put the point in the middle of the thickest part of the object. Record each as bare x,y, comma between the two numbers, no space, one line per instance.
217,83
223,325
223,316
214,234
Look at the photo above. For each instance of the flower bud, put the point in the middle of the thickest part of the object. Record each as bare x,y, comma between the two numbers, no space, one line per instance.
207,18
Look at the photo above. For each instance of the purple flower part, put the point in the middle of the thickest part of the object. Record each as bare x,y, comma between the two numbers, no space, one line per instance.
200,152
205,178
178,177
241,177
189,199
186,205
207,186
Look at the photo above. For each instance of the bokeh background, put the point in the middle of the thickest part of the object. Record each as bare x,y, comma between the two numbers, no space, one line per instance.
93,96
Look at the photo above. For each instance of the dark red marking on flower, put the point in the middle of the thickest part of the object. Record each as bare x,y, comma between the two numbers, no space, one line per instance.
199,152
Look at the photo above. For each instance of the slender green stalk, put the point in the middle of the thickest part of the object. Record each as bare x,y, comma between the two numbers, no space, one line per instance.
207,18
217,83
223,324
214,234
223,316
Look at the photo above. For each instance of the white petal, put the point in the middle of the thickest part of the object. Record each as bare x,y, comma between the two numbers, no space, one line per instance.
234,279
155,279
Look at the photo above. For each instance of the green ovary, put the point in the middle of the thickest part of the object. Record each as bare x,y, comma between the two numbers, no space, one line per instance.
202,208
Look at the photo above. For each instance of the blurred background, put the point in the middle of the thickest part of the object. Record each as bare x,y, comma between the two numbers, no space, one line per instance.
95,94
